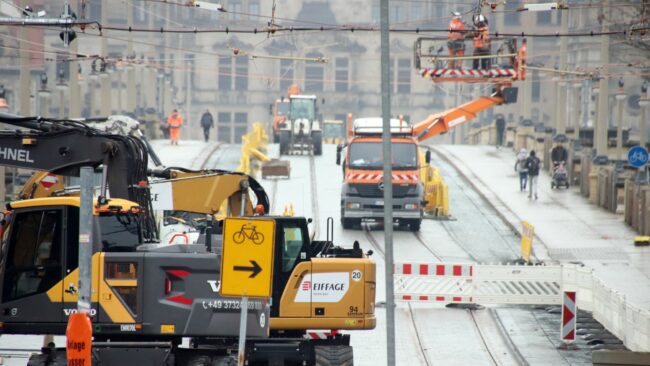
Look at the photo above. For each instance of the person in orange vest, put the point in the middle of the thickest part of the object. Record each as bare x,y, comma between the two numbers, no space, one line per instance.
174,122
481,42
456,42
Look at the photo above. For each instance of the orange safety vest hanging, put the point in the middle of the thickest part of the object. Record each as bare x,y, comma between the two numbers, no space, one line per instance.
482,37
456,28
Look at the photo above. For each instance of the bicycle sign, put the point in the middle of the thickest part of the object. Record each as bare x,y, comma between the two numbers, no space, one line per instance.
247,258
248,232
637,156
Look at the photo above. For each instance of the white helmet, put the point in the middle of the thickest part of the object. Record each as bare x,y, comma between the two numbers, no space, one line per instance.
456,14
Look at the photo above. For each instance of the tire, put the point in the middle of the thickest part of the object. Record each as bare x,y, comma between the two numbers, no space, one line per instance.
317,140
223,361
285,140
567,185
333,355
57,359
200,361
414,225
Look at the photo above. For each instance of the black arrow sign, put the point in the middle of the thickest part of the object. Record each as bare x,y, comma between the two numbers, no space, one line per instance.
255,269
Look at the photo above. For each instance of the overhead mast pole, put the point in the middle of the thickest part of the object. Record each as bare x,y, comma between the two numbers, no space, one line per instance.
388,184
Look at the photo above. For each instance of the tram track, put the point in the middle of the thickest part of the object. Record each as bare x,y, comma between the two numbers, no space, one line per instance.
314,197
471,313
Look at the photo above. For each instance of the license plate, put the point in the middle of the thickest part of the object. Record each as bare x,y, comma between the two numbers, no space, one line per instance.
379,203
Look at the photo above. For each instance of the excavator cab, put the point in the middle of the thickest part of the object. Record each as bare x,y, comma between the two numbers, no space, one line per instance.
40,242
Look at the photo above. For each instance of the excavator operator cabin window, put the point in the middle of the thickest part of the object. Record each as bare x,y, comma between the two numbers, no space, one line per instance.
291,247
34,255
120,232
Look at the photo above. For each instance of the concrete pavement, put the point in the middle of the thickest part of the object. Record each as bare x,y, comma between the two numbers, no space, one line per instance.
567,227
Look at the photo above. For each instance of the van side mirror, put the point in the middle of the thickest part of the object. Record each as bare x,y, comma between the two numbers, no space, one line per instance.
339,148
427,156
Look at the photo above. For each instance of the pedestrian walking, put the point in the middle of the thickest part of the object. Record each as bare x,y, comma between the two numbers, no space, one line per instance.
501,130
532,165
520,166
174,122
207,122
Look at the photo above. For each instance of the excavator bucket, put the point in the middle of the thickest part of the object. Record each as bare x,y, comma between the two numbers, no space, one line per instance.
276,168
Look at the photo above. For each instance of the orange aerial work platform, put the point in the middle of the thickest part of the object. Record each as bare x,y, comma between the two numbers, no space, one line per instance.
514,68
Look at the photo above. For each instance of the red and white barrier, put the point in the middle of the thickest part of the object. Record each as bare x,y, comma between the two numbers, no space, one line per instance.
491,73
321,334
569,314
426,269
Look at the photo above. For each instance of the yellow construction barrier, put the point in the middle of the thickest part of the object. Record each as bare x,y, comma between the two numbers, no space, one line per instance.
527,234
435,190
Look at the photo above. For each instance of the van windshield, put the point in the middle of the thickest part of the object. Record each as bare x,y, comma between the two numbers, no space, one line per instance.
368,155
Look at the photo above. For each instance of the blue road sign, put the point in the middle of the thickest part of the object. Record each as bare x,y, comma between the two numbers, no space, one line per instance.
637,156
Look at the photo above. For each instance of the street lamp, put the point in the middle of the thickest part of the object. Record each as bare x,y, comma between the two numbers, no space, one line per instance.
61,85
620,97
44,95
643,103
576,127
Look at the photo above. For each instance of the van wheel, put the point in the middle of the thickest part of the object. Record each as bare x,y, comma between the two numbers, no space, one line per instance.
415,225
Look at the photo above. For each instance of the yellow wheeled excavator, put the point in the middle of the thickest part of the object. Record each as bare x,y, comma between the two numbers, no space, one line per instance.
147,296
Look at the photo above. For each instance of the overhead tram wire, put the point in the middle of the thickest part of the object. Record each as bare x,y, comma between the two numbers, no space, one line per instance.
342,28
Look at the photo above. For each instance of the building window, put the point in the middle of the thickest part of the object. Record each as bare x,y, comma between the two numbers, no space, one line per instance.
396,14
403,75
225,71
253,9
544,18
511,16
536,87
375,13
235,10
224,127
341,65
286,75
314,73
241,73
416,12
241,126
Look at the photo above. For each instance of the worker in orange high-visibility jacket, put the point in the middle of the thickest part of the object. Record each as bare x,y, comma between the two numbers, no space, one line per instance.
481,42
174,122
456,42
